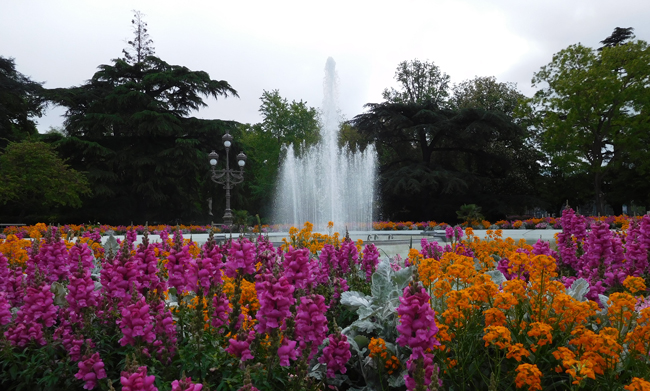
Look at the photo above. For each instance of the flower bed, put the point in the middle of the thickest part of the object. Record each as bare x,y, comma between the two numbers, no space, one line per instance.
322,312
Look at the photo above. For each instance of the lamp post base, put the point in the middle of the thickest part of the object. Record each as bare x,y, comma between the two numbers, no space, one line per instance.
227,217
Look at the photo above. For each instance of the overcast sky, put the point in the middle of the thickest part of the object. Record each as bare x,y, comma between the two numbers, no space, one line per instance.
284,44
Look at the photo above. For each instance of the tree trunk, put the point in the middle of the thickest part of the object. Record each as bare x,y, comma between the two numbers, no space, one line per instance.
598,181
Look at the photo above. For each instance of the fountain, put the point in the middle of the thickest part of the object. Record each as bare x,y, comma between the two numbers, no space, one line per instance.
327,183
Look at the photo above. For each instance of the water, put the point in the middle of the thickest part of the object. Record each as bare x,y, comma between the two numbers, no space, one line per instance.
326,183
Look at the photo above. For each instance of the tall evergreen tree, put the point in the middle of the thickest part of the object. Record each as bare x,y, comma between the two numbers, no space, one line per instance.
141,46
129,129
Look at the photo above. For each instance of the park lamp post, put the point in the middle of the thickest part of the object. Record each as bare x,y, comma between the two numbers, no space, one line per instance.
227,177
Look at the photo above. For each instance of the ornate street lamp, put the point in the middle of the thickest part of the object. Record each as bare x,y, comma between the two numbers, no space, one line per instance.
228,177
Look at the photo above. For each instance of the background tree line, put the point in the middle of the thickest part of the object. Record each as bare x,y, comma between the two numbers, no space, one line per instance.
129,149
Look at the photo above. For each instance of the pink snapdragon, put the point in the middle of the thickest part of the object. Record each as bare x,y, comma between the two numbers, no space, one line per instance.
287,351
80,252
311,323
636,252
5,309
90,370
417,330
81,290
241,258
275,296
51,259
573,226
348,256
136,322
328,262
370,260
145,258
298,268
186,384
431,249
177,266
37,312
240,346
336,354
417,326
165,331
138,381
221,310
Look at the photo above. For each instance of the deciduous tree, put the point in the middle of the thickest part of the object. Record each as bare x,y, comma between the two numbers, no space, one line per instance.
283,123
34,180
593,109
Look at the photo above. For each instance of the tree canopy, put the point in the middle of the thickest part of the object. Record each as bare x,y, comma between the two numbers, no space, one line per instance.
593,109
419,82
431,157
33,180
485,92
128,126
20,102
283,123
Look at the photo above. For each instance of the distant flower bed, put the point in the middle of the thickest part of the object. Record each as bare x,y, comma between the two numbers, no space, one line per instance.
37,231
614,222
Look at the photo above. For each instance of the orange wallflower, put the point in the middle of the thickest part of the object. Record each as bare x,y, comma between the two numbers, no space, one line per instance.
638,384
634,284
15,250
529,375
638,339
497,335
517,351
621,309
542,333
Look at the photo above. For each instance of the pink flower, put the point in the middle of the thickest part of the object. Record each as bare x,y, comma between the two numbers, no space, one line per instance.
276,298
370,260
348,256
241,347
328,263
37,312
286,351
177,265
298,268
165,331
221,311
336,354
186,384
81,290
417,330
5,309
417,326
136,322
138,381
241,258
311,323
91,370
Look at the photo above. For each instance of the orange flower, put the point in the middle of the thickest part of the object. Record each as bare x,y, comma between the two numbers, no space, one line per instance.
497,335
638,384
621,308
516,351
494,317
530,375
542,332
505,300
634,284
638,340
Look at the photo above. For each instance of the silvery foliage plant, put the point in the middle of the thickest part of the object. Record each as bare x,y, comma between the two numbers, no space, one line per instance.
377,318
